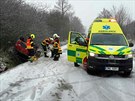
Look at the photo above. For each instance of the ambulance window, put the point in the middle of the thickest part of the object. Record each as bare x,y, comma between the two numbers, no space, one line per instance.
73,38
77,39
108,39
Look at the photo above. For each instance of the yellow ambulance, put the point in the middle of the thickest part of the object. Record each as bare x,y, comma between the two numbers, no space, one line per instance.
106,49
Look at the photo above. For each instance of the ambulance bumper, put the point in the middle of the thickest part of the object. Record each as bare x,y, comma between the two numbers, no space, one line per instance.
110,65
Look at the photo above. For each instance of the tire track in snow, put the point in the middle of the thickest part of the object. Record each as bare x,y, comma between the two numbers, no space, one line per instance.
96,91
117,89
99,91
103,90
28,79
14,85
61,79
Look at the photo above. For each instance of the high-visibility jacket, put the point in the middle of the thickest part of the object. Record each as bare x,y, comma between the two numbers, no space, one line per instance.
46,42
29,43
55,45
58,42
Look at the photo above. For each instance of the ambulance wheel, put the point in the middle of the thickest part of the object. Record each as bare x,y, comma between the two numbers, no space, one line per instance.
88,71
91,71
126,73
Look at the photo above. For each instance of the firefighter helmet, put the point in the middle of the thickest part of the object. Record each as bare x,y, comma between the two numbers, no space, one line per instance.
32,36
55,36
51,39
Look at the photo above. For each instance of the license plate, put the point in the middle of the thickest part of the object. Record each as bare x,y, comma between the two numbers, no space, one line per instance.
112,68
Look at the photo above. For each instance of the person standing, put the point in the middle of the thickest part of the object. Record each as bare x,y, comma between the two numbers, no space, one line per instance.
30,45
51,42
55,51
45,46
56,39
56,47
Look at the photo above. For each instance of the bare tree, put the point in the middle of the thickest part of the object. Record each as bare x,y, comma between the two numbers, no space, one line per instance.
76,25
105,14
124,20
129,30
63,6
121,16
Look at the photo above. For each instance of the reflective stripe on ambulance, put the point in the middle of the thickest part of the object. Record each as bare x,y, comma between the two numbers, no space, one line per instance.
77,55
99,50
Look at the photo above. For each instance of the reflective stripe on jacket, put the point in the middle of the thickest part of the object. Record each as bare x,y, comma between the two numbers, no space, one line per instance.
45,42
58,42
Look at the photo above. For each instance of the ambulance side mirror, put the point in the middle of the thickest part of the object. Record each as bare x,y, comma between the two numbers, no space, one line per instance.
131,44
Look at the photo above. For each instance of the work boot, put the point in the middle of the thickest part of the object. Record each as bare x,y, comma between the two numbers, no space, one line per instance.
52,54
76,64
46,55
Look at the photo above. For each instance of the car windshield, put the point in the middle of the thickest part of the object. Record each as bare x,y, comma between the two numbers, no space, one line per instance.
108,39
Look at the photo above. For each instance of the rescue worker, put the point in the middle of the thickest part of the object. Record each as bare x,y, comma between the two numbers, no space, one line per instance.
45,45
55,51
56,47
56,39
51,42
30,45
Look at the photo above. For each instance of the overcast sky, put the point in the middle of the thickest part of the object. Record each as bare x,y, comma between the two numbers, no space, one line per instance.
88,10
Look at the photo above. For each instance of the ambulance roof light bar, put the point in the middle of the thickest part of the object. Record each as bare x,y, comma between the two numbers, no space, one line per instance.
112,20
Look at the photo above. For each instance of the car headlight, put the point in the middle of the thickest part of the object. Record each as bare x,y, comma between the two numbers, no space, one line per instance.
92,54
130,56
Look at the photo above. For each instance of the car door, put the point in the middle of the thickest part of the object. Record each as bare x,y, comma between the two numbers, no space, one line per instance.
77,47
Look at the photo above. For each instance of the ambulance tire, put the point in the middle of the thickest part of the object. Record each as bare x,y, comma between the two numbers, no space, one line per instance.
88,71
126,73
91,71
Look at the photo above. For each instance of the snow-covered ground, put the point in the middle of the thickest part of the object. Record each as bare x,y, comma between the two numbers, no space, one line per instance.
48,80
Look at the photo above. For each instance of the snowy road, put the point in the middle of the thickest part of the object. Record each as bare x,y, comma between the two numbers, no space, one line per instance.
47,80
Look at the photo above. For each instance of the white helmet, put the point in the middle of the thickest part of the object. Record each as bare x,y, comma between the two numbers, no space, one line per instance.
55,35
51,39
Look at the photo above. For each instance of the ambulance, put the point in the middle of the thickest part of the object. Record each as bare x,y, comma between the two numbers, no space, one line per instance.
106,49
